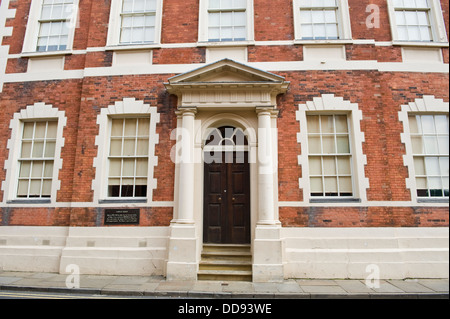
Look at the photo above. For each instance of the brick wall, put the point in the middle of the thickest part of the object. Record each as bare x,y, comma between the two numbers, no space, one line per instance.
379,96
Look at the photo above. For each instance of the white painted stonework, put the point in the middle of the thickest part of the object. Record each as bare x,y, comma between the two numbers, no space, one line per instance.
346,252
307,252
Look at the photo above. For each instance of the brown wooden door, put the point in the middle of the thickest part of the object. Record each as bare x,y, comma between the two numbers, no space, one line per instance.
227,199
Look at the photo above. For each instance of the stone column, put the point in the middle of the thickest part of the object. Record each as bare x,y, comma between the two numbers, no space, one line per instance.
182,255
268,245
266,168
186,168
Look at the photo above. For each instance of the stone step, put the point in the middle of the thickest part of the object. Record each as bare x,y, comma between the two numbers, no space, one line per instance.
225,275
214,264
226,262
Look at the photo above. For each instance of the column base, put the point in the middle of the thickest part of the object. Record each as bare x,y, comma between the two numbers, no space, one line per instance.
182,263
268,250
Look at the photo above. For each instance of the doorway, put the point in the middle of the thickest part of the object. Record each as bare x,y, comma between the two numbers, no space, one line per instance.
226,206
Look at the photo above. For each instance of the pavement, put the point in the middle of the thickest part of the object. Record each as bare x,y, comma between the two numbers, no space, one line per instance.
157,286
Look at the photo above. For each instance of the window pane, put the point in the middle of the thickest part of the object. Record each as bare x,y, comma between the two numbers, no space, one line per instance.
128,167
417,145
306,16
344,165
313,124
330,16
315,166
343,145
327,124
314,145
331,186
428,124
329,166
316,185
129,147
144,127
115,167
130,127
22,190
46,188
38,149
49,149
421,183
419,166
26,150
48,169
345,185
441,124
413,125
431,146
443,144
328,145
116,147
37,167
331,31
432,166
35,188
28,130
25,169
141,167
40,129
142,147
443,163
52,129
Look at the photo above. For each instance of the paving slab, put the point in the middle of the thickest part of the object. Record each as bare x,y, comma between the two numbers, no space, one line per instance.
386,287
268,287
289,287
238,286
4,280
316,282
354,286
410,286
207,286
322,289
158,286
437,285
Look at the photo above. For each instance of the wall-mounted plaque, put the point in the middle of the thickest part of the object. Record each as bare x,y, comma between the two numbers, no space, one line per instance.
121,216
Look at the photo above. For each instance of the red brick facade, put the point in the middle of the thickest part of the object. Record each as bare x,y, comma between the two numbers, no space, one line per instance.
378,94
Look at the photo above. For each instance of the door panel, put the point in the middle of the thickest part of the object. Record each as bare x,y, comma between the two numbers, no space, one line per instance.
227,200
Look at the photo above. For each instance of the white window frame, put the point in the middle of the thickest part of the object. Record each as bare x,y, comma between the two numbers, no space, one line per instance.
115,24
328,104
344,25
132,108
203,26
427,105
437,25
135,157
36,112
33,26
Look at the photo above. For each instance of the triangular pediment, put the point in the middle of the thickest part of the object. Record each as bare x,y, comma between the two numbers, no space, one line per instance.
226,71
226,84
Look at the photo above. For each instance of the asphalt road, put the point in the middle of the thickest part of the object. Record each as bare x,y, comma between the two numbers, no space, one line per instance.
5,294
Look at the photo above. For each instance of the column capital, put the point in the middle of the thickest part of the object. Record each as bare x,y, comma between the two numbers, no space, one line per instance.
266,110
186,111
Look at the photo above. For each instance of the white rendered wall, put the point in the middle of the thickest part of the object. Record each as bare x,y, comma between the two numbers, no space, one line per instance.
346,252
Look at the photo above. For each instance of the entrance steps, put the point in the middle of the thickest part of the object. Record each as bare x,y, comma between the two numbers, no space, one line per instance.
226,263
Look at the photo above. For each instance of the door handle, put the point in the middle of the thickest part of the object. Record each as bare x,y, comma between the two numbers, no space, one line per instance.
233,199
220,199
